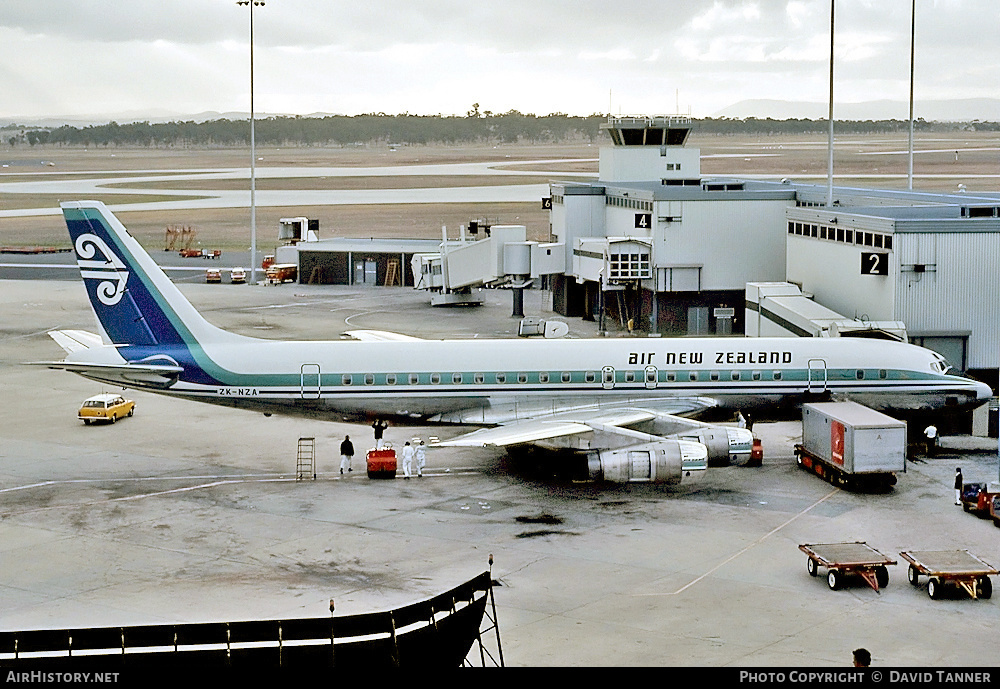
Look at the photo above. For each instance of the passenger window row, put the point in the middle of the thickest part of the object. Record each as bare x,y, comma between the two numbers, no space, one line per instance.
610,376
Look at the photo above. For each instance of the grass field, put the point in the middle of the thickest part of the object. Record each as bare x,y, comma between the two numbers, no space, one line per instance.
942,162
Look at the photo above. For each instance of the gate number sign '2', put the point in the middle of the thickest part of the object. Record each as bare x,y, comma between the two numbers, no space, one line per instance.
874,263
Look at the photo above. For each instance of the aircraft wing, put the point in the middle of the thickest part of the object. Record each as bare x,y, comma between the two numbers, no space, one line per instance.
536,430
597,428
381,336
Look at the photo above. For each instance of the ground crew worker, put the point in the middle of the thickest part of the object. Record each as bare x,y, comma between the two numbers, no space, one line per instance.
421,453
407,459
346,453
379,427
931,433
958,485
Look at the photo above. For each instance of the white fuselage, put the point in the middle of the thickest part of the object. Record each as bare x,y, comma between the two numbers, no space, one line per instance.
493,381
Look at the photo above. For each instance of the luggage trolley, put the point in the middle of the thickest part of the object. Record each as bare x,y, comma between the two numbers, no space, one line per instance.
844,559
958,567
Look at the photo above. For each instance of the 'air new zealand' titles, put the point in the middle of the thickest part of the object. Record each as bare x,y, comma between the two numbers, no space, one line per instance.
619,409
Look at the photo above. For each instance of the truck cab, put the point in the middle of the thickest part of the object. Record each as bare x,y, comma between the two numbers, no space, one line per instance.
978,498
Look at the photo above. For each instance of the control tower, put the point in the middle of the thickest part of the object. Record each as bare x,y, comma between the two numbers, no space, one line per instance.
649,148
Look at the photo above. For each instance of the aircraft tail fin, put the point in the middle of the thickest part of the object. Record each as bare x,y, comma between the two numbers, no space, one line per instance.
135,302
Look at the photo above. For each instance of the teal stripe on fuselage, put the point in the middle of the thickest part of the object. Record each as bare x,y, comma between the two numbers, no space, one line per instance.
333,382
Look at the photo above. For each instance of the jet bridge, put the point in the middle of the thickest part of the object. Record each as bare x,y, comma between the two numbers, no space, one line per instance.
503,258
780,309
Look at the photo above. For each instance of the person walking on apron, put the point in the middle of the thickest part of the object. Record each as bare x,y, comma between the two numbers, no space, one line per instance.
346,454
421,453
407,460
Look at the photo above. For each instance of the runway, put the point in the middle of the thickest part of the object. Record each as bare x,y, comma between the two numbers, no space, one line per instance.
128,183
189,512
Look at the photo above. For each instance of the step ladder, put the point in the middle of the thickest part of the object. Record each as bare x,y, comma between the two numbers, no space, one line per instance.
392,272
305,459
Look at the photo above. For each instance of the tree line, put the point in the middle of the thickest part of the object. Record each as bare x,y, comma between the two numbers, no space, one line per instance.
380,128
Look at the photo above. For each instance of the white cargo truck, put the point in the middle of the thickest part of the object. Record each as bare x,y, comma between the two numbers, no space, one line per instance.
851,445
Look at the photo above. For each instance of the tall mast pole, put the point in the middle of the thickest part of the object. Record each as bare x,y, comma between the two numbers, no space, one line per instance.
829,157
913,25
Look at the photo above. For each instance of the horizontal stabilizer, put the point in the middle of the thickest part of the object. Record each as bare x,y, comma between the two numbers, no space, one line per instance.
156,375
76,340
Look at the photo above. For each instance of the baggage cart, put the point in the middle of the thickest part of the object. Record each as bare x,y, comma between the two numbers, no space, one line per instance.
956,567
381,463
848,559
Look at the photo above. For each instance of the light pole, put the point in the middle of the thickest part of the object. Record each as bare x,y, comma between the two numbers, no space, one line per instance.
913,33
829,154
253,153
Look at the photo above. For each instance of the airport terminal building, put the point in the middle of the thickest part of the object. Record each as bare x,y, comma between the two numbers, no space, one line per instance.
654,244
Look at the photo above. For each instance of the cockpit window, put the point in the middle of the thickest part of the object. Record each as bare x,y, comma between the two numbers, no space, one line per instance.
940,364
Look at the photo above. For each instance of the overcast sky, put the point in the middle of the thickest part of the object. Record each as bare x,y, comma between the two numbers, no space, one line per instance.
83,57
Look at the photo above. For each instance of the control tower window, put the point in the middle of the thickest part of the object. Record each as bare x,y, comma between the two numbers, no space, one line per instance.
632,137
676,137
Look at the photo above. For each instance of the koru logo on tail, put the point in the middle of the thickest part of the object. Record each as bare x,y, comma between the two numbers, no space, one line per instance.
110,271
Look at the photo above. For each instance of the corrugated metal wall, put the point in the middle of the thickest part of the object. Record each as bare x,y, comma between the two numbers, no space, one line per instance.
962,293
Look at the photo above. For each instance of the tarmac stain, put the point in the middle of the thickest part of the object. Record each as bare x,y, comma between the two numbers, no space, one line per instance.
540,519
545,532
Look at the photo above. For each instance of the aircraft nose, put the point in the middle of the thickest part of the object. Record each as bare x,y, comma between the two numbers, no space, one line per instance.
983,392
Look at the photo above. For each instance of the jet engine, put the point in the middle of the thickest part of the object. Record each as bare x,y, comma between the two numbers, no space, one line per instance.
664,461
725,445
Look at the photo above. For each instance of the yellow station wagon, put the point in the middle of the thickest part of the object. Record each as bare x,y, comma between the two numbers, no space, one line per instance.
106,407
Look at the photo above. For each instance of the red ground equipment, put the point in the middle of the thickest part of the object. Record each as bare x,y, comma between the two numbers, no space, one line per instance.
382,463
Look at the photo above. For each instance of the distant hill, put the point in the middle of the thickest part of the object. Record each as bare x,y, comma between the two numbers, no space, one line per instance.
959,110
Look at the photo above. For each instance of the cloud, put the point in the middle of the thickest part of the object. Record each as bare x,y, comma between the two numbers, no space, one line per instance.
442,55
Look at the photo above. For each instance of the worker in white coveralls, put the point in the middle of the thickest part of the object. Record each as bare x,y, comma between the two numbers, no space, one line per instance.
407,459
421,453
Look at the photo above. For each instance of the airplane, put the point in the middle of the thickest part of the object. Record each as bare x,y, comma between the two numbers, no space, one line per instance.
621,407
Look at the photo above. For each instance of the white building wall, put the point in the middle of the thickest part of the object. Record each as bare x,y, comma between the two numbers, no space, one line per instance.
960,294
645,163
578,217
736,242
831,272
620,222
